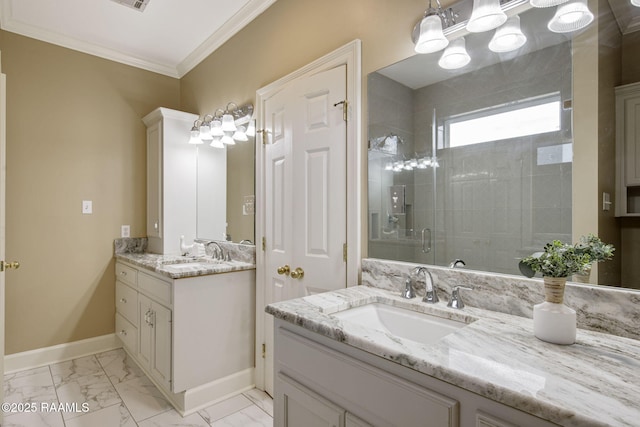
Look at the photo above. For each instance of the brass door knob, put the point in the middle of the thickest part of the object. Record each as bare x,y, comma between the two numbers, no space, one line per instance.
7,265
285,269
298,273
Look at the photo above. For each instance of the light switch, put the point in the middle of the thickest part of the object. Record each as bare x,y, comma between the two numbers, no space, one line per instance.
87,207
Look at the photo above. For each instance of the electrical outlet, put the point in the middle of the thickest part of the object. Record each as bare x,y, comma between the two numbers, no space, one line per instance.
249,205
87,207
125,231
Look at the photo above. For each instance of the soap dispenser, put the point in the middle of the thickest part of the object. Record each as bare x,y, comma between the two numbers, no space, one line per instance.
184,249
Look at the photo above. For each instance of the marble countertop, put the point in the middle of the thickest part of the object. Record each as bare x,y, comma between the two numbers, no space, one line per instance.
595,382
179,267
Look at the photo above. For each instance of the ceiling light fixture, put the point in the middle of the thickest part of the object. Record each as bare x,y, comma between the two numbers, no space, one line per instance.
572,16
508,37
487,15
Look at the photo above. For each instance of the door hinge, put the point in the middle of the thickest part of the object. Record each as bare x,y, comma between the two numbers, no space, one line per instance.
264,244
345,108
265,136
264,350
344,252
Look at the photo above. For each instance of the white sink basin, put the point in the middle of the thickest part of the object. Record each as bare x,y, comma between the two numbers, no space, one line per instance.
420,327
187,265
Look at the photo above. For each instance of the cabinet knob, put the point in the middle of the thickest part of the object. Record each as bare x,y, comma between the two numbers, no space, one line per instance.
123,273
123,332
123,300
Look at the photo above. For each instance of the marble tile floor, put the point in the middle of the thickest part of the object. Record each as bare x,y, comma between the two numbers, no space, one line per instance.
109,390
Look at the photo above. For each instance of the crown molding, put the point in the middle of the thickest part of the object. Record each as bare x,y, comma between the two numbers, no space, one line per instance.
238,21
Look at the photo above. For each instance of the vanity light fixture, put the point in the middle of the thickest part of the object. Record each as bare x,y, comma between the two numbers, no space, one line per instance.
508,37
224,127
430,35
455,55
571,16
487,15
195,133
635,3
547,3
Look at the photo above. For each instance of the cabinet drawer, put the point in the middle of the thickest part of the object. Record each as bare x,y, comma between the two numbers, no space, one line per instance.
127,302
127,333
126,274
155,288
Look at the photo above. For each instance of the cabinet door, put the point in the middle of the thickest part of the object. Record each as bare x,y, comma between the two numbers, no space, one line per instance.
632,140
353,421
302,407
161,360
154,180
144,330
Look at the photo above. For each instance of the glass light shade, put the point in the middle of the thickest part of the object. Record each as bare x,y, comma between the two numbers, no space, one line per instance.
227,139
216,128
636,3
228,124
508,37
251,130
571,16
216,142
195,136
546,3
455,55
486,15
431,38
205,132
240,134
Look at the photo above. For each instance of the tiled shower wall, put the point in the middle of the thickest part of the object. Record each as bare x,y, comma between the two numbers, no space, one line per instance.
493,202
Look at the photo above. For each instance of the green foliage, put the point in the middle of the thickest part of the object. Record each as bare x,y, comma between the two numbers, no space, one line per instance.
595,248
558,260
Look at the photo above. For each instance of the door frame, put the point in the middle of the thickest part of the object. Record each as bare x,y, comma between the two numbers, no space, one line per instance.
349,55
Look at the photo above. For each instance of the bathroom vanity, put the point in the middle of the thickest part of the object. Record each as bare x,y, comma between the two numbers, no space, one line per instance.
490,371
188,325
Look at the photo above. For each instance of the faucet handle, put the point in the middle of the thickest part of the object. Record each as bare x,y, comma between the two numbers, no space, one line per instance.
456,299
408,292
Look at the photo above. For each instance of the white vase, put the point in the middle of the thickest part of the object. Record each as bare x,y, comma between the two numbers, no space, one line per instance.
553,321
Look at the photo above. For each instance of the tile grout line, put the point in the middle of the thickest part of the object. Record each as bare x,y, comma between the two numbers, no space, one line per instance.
116,390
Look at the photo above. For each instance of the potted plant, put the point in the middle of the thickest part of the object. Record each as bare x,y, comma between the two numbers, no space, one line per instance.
552,320
597,250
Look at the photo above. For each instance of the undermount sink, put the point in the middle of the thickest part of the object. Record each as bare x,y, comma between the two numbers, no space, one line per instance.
412,325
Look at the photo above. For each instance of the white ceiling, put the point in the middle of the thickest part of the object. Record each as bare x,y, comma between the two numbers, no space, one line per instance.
169,37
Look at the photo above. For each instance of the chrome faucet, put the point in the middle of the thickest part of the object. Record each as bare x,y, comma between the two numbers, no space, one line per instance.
217,252
456,299
457,263
431,294
409,292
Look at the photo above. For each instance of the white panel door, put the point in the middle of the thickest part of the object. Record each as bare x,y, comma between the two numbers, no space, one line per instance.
3,167
305,193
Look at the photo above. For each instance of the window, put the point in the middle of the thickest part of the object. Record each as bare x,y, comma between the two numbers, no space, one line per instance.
526,117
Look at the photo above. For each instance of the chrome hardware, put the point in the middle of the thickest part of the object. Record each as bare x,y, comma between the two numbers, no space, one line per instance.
123,273
408,292
217,252
426,249
345,108
457,263
431,294
156,225
298,273
456,299
285,269
123,300
8,265
123,332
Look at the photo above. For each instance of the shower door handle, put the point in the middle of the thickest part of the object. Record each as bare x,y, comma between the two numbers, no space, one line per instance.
426,242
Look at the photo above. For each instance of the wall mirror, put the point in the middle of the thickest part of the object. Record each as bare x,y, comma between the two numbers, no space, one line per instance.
473,163
225,185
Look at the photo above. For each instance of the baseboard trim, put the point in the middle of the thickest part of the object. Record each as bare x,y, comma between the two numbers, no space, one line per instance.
216,391
59,353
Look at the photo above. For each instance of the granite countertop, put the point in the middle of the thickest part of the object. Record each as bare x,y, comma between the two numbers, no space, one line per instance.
595,382
179,267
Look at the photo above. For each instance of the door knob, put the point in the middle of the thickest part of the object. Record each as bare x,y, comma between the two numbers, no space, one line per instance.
7,265
285,269
298,273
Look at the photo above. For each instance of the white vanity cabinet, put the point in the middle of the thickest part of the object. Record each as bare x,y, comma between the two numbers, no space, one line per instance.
193,336
334,384
628,150
171,180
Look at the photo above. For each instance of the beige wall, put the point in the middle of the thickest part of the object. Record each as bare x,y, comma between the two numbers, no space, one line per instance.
289,35
74,132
